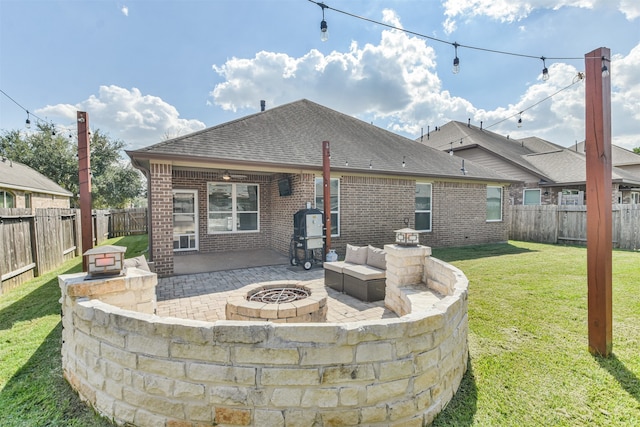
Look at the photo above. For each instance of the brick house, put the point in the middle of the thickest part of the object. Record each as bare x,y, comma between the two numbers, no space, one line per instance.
236,186
23,187
549,174
627,161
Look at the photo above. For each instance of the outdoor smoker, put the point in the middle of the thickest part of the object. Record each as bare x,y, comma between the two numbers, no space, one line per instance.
307,243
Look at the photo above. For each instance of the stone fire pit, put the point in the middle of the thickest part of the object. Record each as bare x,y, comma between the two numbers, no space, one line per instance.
283,301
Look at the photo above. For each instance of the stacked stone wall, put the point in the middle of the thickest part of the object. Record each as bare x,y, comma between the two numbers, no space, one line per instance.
141,369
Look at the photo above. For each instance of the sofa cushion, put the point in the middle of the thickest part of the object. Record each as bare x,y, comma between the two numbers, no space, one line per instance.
356,254
364,272
336,266
376,257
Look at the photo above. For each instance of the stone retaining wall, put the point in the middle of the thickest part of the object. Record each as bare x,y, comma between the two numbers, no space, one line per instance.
145,370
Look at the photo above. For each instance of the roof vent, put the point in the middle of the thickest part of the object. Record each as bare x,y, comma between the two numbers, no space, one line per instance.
263,105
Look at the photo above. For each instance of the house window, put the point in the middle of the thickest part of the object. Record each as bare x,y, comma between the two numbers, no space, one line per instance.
334,186
185,220
7,200
531,197
423,207
27,200
232,208
635,198
494,203
572,197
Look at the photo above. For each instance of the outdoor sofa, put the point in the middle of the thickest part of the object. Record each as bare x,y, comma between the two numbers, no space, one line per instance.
362,274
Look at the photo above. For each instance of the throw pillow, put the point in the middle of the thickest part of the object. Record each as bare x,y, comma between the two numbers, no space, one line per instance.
356,254
376,258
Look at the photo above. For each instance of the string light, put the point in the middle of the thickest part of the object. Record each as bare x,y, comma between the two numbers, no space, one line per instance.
456,60
370,164
27,122
520,120
324,30
578,78
403,162
545,71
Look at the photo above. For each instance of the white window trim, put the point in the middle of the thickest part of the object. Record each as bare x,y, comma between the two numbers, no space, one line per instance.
315,196
234,210
430,211
524,197
501,203
195,208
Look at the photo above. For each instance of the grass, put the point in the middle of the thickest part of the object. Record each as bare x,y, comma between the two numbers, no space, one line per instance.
32,389
529,363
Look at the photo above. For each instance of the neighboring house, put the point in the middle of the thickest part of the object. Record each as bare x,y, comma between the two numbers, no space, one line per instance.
237,185
23,187
549,173
625,160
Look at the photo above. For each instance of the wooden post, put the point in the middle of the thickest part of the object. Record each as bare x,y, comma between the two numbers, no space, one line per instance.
599,233
84,175
326,181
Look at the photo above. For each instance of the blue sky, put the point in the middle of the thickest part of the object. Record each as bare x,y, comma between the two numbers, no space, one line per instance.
149,70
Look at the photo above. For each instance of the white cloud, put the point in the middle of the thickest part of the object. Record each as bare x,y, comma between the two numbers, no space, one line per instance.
395,84
137,119
515,10
124,10
394,81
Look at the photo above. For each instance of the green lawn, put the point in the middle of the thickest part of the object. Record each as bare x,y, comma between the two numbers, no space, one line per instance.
528,340
32,390
529,363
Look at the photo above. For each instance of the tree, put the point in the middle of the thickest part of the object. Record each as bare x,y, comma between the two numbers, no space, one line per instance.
114,183
636,150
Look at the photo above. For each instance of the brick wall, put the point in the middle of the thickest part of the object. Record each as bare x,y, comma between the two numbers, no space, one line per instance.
161,211
283,208
371,208
276,212
460,216
41,200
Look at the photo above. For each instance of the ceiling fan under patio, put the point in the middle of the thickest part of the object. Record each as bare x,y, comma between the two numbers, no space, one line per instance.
226,175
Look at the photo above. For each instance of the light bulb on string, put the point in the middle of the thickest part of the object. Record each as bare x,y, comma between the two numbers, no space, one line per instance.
545,71
27,123
403,162
520,120
324,29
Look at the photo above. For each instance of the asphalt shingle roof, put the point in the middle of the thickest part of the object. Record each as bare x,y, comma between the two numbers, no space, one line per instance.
292,134
16,176
552,162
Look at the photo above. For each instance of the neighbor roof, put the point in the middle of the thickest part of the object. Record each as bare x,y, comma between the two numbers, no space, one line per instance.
459,136
619,156
551,162
16,176
291,136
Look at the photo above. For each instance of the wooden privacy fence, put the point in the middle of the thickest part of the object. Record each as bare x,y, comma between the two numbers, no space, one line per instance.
125,222
35,242
568,224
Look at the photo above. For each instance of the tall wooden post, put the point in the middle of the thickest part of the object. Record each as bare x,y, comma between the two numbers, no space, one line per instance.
84,175
326,186
599,205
